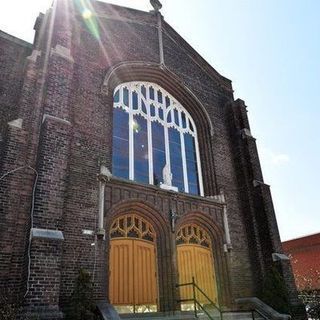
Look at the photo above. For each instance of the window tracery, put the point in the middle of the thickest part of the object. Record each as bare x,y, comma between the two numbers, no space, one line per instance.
153,131
132,226
193,234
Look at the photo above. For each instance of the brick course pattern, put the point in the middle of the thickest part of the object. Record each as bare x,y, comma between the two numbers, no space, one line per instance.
305,256
62,90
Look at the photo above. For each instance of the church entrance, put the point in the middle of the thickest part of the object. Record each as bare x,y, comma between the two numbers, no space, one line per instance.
195,260
132,267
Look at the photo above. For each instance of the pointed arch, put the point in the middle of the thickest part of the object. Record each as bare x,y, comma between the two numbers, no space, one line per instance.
151,72
216,234
160,225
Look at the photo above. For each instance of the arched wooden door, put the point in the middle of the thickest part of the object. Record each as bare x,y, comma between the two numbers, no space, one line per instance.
132,267
195,260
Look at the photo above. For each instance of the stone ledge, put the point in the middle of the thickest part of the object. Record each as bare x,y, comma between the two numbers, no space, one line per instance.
41,313
279,257
49,117
62,52
34,55
258,183
46,234
17,123
246,133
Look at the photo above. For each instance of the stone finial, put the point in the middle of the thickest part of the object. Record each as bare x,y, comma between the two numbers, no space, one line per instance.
156,5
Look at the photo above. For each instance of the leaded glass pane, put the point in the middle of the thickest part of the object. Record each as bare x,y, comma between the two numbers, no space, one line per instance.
152,110
176,117
191,162
141,159
161,113
151,93
176,158
135,100
183,118
159,152
143,107
120,151
190,125
126,97
144,91
167,101
116,97
169,117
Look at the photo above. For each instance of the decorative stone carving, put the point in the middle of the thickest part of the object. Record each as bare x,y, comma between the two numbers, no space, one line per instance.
156,5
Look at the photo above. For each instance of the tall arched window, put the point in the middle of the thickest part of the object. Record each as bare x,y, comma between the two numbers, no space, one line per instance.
154,139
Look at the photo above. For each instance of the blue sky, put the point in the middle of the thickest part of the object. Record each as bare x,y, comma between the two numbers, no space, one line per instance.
270,49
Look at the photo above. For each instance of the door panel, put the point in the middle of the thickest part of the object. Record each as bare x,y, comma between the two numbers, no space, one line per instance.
205,278
132,273
185,256
144,273
196,261
121,272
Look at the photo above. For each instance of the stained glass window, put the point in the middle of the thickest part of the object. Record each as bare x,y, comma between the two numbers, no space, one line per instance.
151,131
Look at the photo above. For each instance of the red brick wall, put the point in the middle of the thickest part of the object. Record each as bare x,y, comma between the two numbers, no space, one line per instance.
305,259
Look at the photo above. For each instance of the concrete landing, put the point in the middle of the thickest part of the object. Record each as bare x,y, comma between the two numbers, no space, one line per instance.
191,316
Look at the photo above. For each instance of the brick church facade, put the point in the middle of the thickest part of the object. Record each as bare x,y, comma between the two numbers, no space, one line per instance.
78,191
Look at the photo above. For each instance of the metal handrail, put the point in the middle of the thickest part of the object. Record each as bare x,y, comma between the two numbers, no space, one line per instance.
260,313
196,302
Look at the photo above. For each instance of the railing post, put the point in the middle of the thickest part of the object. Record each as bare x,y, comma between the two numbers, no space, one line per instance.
194,298
253,315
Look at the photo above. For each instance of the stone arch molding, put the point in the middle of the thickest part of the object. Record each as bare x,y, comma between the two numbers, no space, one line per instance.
161,227
204,221
141,208
142,71
174,85
215,235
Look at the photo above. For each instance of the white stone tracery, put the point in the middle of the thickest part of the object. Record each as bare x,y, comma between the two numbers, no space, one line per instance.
164,112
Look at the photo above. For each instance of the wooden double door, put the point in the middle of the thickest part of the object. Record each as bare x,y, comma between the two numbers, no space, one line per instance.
133,264
132,279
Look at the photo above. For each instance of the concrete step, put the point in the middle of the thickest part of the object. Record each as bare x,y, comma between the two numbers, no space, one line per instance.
241,316
159,316
190,316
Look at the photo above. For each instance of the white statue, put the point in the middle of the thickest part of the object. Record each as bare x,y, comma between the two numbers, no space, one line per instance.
167,175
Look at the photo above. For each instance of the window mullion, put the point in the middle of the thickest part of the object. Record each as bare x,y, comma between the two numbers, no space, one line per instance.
184,161
150,155
131,137
198,163
139,98
121,97
166,137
